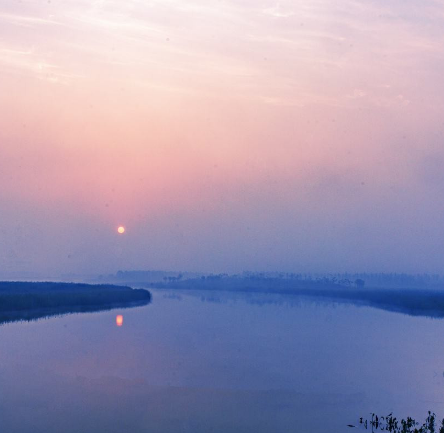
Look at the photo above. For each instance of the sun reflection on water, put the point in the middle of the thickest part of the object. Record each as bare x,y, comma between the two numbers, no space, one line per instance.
119,320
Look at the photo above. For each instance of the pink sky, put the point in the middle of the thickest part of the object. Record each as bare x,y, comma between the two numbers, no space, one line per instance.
225,135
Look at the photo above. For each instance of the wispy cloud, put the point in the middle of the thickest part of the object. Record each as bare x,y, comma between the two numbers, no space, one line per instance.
27,21
275,42
32,64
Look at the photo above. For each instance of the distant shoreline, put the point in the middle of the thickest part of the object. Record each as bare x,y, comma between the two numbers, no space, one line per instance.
415,302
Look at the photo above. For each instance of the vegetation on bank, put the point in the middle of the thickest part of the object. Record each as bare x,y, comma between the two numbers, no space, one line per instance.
413,301
31,300
392,424
374,280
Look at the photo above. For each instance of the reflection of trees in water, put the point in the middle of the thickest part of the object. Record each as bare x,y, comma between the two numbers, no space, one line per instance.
31,315
260,300
413,302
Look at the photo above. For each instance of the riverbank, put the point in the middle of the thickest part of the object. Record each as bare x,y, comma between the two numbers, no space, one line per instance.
414,302
32,300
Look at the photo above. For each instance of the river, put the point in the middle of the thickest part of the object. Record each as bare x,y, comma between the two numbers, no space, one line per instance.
219,362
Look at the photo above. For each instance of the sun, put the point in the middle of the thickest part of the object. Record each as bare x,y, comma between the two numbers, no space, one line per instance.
121,230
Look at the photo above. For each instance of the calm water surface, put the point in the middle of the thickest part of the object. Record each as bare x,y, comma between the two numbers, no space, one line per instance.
200,362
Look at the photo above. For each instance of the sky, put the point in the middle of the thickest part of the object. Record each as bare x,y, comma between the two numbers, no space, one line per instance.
225,135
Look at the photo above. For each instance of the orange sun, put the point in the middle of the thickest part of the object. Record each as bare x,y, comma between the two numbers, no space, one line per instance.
119,320
121,230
